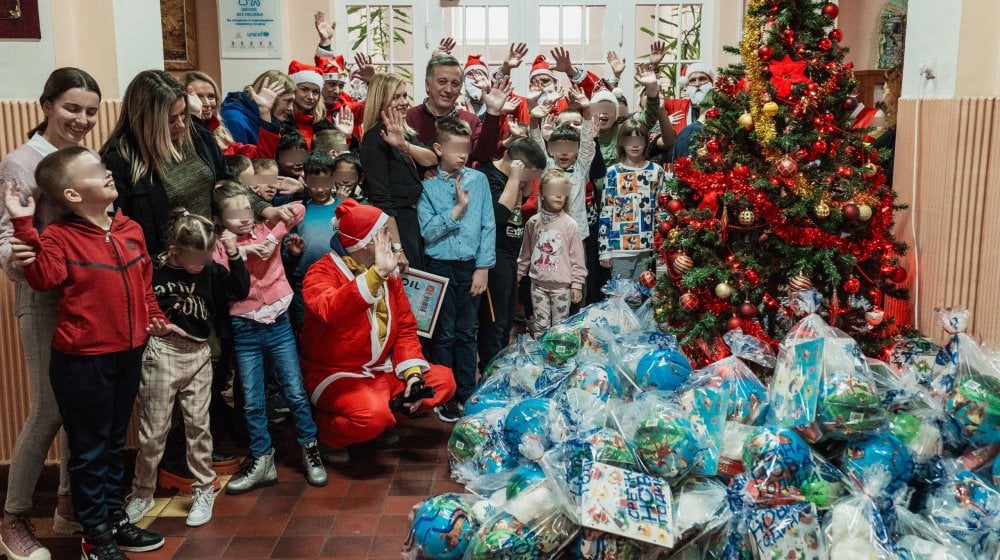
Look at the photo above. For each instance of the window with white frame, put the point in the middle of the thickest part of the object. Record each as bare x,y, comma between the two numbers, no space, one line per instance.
679,25
385,32
478,30
580,29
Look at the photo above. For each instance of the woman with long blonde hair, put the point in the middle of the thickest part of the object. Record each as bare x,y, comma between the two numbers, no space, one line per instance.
391,157
244,116
264,96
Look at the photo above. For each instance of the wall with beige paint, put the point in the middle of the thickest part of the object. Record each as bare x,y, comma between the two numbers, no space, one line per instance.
859,22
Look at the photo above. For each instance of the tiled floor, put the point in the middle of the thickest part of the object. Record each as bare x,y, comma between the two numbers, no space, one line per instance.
361,513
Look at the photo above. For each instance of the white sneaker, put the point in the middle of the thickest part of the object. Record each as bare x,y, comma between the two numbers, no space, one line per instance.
137,508
201,508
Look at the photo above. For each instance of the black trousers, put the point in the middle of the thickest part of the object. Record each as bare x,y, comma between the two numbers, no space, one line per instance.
409,236
95,396
496,309
597,275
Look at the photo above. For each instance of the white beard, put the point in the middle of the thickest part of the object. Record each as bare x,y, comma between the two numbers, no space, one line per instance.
698,94
472,92
358,89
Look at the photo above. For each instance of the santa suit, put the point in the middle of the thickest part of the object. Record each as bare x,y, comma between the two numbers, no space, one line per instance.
350,374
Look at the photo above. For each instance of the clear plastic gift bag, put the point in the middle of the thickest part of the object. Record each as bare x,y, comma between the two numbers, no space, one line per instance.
821,384
854,526
442,527
530,526
664,436
781,469
919,539
974,401
649,361
477,447
954,321
706,401
966,507
533,425
585,392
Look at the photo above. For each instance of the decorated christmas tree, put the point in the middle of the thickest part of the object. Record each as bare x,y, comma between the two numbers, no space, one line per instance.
783,195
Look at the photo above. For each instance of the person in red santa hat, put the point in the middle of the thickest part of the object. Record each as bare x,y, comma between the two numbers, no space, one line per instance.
360,349
542,80
308,113
335,97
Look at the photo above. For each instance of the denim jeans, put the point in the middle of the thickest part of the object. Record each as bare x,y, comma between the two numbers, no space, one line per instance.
454,343
253,341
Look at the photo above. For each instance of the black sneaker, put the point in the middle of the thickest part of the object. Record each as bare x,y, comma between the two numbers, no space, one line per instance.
449,412
132,538
99,544
277,408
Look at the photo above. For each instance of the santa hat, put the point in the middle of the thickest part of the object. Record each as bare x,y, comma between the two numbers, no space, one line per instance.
357,224
603,95
332,69
539,67
304,74
475,62
698,67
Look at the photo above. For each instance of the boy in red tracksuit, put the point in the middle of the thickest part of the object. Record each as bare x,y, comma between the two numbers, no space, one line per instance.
359,342
107,310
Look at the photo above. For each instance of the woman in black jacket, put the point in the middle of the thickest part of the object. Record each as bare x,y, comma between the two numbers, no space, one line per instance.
391,157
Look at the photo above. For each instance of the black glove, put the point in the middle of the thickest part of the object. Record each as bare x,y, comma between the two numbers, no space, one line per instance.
418,391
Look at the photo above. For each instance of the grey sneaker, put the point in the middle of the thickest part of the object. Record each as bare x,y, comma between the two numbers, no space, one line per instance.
201,508
137,508
311,460
17,539
258,472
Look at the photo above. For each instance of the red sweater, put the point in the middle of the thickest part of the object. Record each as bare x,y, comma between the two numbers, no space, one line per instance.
105,283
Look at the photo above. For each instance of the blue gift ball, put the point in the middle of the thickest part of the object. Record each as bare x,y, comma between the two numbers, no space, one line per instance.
748,402
443,527
527,418
777,457
662,369
485,400
524,477
667,445
493,458
865,457
592,378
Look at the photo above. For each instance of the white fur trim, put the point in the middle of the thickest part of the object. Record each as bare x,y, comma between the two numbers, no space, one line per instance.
318,392
481,67
539,72
307,77
407,364
358,245
366,294
331,77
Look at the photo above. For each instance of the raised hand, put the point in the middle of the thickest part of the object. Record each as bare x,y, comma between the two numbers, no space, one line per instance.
511,105
324,28
517,130
461,199
495,97
548,125
345,121
274,214
394,133
533,96
543,109
515,56
260,250
657,51
12,201
445,46
676,117
366,70
563,62
578,98
194,102
617,64
646,77
264,99
386,260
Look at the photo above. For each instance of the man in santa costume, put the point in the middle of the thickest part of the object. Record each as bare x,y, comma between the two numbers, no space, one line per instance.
359,341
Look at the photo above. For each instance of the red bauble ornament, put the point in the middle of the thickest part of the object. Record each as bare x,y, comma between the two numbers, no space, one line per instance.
713,146
734,322
741,172
831,10
899,275
712,113
850,104
682,263
801,154
689,302
886,269
662,200
674,206
819,147
751,276
837,35
665,227
647,279
787,167
765,53
788,37
845,171
851,211
748,310
824,44
852,285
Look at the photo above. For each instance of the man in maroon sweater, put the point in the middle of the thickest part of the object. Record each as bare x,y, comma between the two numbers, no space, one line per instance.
444,85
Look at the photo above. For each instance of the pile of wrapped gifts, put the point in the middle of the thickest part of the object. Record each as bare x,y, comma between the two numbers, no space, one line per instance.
600,441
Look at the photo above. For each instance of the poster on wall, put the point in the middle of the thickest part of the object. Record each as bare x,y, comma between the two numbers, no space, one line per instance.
19,19
250,28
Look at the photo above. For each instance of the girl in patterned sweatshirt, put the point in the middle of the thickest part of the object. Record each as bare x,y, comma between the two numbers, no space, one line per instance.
625,238
552,255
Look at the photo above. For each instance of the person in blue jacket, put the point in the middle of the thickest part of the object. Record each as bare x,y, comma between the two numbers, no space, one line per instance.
242,116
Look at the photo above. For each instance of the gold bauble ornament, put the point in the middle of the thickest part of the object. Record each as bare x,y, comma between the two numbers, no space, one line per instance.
747,217
822,210
745,121
770,108
864,212
723,290
683,263
800,283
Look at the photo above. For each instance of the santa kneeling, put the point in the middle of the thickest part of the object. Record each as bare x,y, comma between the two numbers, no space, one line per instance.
360,349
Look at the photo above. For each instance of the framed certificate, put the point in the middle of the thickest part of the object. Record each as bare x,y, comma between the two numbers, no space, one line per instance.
425,291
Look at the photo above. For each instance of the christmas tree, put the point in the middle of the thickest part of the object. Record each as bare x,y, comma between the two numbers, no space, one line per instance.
782,195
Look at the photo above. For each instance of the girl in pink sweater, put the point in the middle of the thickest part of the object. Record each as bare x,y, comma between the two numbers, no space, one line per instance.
552,255
261,326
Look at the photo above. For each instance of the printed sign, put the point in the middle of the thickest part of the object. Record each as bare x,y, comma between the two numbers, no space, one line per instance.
627,503
425,291
250,28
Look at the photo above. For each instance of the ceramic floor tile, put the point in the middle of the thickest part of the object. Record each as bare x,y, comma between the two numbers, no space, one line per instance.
347,546
251,547
298,547
308,525
355,525
203,547
258,525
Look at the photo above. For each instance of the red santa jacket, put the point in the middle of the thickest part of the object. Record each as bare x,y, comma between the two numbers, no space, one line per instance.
104,279
340,330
